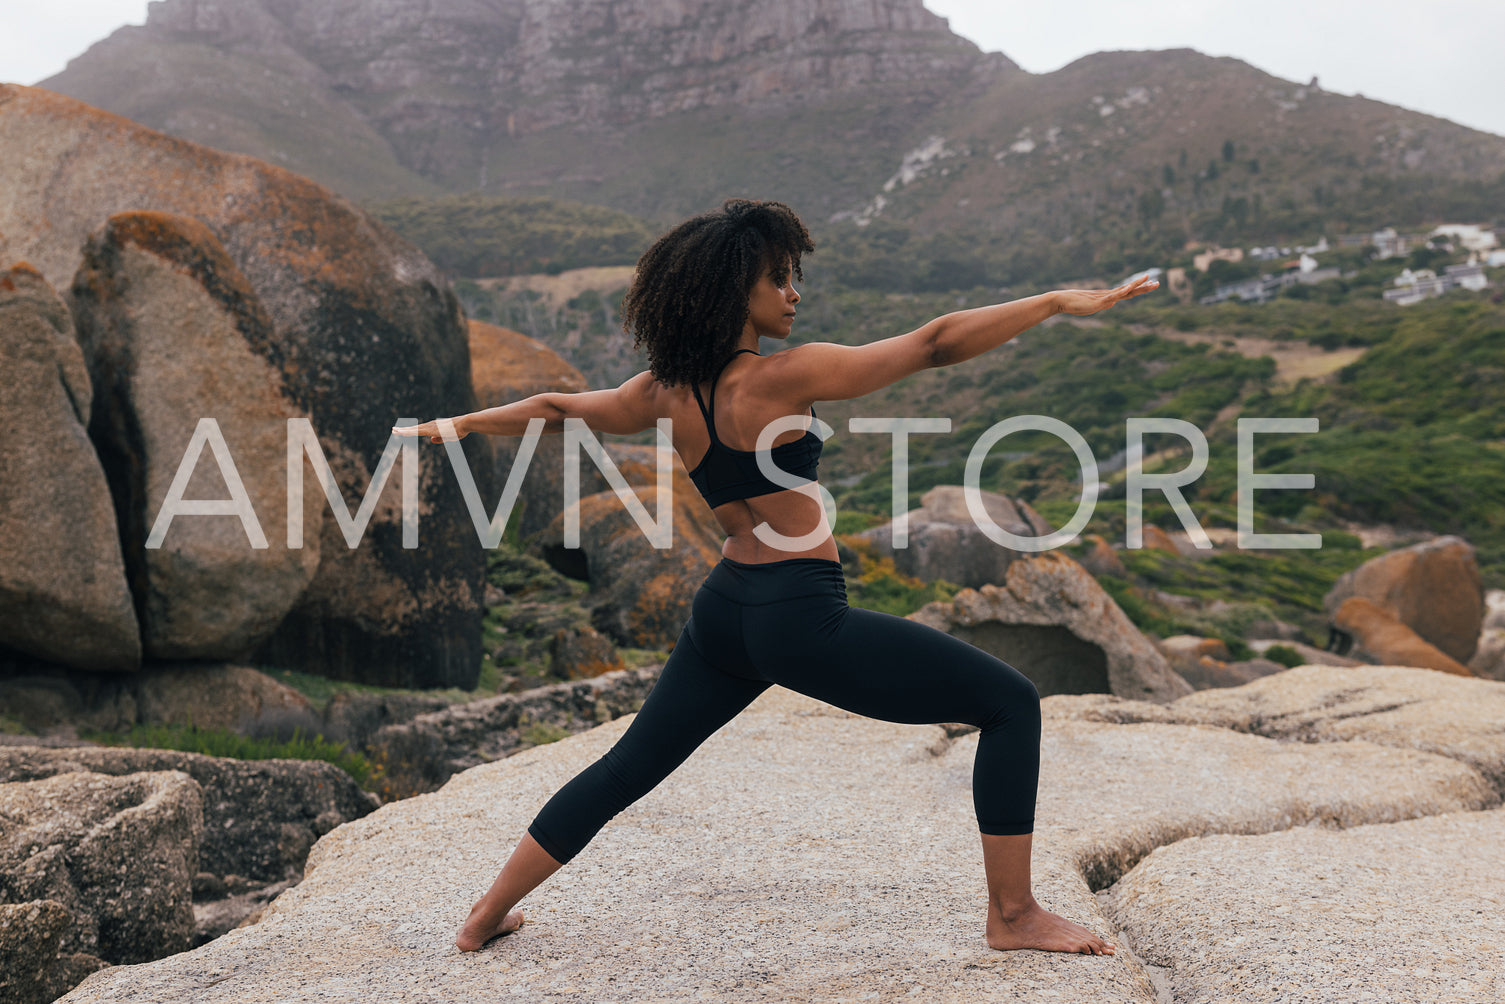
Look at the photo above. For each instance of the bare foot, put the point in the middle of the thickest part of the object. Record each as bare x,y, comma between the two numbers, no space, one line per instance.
1040,929
479,928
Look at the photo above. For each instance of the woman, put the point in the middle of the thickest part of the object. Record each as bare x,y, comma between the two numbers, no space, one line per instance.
774,609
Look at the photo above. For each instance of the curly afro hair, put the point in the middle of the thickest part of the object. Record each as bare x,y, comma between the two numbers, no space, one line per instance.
688,301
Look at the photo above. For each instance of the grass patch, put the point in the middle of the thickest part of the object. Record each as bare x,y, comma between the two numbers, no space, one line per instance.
223,743
481,236
541,734
13,727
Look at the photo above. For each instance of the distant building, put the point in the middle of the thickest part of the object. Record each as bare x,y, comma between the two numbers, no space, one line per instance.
1256,290
1201,262
1472,236
1266,287
1496,259
1316,248
1178,284
1423,284
1468,276
1388,243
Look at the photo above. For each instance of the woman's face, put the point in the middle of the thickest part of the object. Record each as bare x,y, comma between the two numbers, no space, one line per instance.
770,305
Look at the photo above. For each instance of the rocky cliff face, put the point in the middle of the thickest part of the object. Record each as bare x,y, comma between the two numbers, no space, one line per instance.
437,83
854,109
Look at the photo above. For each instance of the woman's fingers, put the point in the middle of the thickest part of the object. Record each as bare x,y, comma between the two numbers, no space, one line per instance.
1141,285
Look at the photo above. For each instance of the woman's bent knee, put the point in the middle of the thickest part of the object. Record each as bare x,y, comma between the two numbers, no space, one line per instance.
1015,701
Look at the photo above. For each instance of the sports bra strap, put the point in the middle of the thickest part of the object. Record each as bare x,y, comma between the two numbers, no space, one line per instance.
709,410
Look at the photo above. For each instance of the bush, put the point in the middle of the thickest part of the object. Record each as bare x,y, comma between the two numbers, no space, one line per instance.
1285,655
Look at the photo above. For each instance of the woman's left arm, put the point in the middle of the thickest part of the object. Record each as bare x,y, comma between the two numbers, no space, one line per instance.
623,410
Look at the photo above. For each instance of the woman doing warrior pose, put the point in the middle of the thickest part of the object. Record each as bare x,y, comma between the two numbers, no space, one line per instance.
774,609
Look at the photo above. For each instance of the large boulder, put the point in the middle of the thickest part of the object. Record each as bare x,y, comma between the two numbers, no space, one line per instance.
1206,662
772,865
173,334
364,330
34,968
422,753
209,696
63,593
507,366
945,542
1433,588
1489,658
1380,637
641,594
118,853
1156,539
260,816
1052,621
1099,557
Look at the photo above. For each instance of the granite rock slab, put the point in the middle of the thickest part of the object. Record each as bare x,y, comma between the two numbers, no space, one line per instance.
802,853
1404,912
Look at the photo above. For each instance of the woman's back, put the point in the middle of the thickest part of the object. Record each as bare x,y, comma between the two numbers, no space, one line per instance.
740,401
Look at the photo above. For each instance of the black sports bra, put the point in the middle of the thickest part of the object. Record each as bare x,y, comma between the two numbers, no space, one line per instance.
725,474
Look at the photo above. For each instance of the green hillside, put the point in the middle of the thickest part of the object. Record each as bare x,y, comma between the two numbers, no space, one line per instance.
475,235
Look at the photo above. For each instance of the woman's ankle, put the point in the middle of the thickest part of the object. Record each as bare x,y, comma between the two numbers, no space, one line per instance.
1014,909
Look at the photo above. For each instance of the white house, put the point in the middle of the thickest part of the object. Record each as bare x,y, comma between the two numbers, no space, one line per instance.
1413,287
1388,243
1469,276
1472,236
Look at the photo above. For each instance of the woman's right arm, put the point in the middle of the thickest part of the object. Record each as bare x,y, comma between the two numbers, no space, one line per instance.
826,371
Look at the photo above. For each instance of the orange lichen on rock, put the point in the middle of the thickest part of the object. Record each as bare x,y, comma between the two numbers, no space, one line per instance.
20,269
1388,641
1156,539
291,221
507,366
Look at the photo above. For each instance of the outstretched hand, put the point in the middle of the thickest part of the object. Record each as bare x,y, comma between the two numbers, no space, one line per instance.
1090,301
431,430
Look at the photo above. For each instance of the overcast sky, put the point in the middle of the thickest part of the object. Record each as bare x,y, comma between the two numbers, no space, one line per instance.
1440,57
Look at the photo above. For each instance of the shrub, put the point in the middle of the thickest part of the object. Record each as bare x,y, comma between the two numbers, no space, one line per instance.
1285,655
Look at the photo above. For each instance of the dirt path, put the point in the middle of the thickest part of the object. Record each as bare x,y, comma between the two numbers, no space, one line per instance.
559,289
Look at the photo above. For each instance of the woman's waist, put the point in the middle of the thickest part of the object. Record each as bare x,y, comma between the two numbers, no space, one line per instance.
762,582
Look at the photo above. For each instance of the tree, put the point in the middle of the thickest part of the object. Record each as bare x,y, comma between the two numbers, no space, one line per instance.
1169,175
1151,206
1236,209
1212,170
1228,151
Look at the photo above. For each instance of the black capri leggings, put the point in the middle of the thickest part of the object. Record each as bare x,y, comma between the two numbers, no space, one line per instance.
788,622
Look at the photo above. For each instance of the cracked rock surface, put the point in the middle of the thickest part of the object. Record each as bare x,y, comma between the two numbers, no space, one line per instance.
1411,911
807,854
